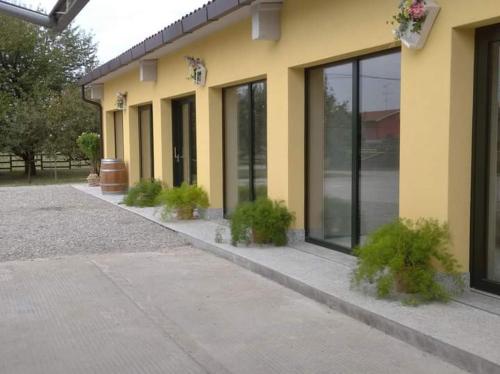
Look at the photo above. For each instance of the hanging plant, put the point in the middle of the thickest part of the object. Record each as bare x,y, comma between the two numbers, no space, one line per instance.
197,70
414,21
121,100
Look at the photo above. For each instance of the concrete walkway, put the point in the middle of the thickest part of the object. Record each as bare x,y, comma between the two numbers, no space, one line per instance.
178,310
465,332
182,312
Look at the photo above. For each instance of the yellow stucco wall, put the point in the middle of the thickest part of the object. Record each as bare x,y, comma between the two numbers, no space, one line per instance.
436,100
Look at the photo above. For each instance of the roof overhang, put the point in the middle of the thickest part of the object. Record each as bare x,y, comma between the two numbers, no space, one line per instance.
58,19
200,23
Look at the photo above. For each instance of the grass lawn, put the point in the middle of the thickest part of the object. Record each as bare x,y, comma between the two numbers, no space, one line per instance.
44,177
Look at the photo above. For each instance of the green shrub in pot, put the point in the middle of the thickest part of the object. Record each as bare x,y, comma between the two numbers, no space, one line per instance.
263,222
144,194
183,200
406,256
90,145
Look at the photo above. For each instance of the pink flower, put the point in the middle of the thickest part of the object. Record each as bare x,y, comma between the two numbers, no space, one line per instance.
417,10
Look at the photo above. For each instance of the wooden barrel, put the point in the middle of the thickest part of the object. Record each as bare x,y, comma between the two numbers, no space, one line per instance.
114,178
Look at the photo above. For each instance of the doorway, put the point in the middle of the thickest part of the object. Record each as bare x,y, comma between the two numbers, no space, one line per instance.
485,220
146,152
184,141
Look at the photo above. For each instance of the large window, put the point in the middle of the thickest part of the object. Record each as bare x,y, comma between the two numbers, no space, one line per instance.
245,137
353,149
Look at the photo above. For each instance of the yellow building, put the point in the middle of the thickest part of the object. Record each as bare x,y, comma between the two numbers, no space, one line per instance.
314,102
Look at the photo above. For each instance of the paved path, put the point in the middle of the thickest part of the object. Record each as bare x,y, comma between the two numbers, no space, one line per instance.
162,308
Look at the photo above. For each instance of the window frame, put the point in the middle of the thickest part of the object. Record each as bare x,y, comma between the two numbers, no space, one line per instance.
115,113
251,139
141,109
356,148
480,204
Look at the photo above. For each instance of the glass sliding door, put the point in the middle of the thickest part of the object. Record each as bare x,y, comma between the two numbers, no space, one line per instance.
352,149
245,138
379,103
330,156
485,251
118,129
146,142
184,140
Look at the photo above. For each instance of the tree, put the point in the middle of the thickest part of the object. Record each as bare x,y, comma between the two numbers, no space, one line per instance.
69,116
24,128
38,73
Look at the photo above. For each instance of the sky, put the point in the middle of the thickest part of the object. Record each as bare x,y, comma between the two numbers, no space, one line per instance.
119,24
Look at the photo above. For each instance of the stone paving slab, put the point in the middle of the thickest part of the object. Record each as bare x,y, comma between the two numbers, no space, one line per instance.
465,335
64,316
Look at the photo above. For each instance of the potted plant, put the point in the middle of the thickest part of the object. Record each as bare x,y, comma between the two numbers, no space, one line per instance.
183,201
121,100
262,222
402,256
90,145
414,21
144,194
197,70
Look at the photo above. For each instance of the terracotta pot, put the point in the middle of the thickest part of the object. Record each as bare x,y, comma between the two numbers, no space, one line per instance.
185,213
93,180
401,285
258,236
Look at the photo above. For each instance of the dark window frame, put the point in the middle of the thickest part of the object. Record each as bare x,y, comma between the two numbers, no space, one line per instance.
356,146
177,111
481,161
251,139
114,131
140,109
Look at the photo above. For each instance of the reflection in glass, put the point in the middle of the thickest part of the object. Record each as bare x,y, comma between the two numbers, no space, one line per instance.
237,142
260,139
379,161
245,118
353,158
493,256
330,154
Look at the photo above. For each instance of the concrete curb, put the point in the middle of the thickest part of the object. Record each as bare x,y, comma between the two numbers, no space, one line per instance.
452,354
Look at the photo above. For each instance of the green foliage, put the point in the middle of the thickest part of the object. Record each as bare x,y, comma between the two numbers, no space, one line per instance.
183,200
401,255
69,116
263,221
144,194
39,72
90,145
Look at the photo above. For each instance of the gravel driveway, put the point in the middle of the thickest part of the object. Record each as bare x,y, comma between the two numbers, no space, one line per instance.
51,221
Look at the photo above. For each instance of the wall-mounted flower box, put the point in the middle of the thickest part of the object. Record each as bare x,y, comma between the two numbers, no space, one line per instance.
121,100
197,71
414,21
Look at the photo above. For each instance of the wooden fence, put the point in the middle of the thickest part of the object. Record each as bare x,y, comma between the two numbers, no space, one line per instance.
10,162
